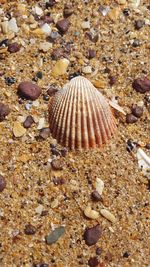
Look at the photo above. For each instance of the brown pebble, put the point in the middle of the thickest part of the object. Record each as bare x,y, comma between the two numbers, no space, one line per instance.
63,25
96,196
29,90
141,85
68,10
98,251
139,24
2,183
92,235
14,47
147,146
137,111
52,91
44,133
108,256
4,111
130,118
29,229
28,122
91,53
112,80
93,262
57,164
57,53
55,151
64,152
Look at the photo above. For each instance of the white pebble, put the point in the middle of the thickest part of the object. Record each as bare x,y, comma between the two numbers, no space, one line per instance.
87,69
46,29
99,185
37,10
41,123
92,214
39,209
45,46
12,25
108,215
85,25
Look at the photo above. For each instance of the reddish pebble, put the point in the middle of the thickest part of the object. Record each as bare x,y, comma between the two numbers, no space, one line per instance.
130,118
98,251
57,53
108,256
44,133
4,111
63,25
93,262
28,122
2,183
14,47
29,90
91,53
139,24
137,111
141,85
68,10
92,235
112,80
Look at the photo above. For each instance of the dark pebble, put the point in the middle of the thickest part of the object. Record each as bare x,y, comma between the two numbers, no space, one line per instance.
68,10
4,111
55,235
126,254
14,47
130,118
108,256
50,3
130,145
139,24
58,181
29,229
126,12
2,183
40,265
29,90
92,235
136,43
141,85
52,145
46,97
10,80
63,25
57,53
39,75
46,19
147,146
137,111
28,122
4,43
98,251
55,151
64,151
52,91
93,262
92,38
91,53
57,164
75,74
96,196
44,133
112,80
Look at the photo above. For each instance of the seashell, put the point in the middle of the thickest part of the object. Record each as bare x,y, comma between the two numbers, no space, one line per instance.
80,116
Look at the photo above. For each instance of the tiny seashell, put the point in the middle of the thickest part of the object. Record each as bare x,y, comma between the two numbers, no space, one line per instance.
80,116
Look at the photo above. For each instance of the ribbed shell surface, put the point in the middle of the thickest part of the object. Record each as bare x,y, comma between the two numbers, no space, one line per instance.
80,116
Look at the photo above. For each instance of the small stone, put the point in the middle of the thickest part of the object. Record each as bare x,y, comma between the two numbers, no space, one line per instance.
139,24
147,146
39,209
14,47
2,183
4,26
87,70
108,256
98,251
85,25
18,129
60,67
46,29
55,151
104,10
136,43
137,111
63,25
92,235
29,90
10,80
64,152
12,25
126,254
130,118
50,3
52,91
28,122
55,235
96,196
57,164
41,123
68,10
57,53
99,186
29,229
4,111
91,214
44,133
39,75
141,85
93,262
91,53
112,80
46,97
45,46
38,11
4,43
108,215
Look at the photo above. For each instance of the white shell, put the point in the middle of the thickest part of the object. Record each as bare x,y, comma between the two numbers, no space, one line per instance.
80,116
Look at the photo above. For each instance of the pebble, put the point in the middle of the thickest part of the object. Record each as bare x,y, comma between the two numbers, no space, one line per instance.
91,53
55,235
139,24
29,229
98,251
126,254
92,214
60,67
46,29
52,91
57,164
37,10
28,122
63,25
39,74
92,235
93,262
99,186
68,10
85,25
50,3
29,90
55,151
57,53
45,46
104,10
108,215
39,209
112,80
147,146
130,118
64,152
40,265
137,111
87,70
18,129
10,80
108,256
12,25
2,183
41,123
96,196
44,133
13,47
141,85
4,111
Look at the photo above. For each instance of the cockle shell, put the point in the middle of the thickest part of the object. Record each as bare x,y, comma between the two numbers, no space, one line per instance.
80,116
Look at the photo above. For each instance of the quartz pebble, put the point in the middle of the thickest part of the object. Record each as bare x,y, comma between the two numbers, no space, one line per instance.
141,85
92,214
60,67
41,123
44,133
13,47
46,29
108,215
28,122
12,25
4,111
85,25
29,90
63,25
18,129
45,46
55,235
130,118
92,235
2,183
87,69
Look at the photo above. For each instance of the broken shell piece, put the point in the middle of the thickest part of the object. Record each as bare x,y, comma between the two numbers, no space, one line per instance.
114,105
92,214
80,116
143,159
99,185
108,215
